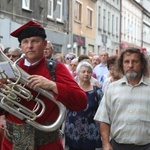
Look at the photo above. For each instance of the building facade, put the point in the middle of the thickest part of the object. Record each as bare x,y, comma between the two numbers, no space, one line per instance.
53,15
82,26
146,32
146,26
108,26
131,20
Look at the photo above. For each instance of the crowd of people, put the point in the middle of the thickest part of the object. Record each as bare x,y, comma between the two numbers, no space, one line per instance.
107,97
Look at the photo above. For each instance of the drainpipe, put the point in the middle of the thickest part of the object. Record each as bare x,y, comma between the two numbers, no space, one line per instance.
70,21
120,25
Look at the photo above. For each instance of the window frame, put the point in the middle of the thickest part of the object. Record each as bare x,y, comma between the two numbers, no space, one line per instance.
89,17
60,5
78,11
26,5
51,14
104,19
109,22
99,17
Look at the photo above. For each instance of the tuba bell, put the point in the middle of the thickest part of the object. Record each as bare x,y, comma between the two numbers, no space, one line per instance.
15,88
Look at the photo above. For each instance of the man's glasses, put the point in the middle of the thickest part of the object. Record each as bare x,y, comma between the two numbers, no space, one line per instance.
70,58
13,56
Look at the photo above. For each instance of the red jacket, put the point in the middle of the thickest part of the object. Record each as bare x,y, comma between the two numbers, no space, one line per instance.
69,93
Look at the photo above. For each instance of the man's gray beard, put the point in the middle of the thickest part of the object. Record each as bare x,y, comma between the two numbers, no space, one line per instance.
131,75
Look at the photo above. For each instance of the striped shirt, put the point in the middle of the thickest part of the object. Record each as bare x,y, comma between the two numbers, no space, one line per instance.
127,109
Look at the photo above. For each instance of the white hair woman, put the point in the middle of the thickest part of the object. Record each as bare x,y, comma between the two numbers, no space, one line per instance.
14,53
93,80
81,131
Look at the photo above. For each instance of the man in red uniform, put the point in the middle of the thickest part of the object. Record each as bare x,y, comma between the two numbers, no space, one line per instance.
20,135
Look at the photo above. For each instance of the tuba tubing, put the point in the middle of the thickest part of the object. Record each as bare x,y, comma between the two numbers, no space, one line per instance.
21,76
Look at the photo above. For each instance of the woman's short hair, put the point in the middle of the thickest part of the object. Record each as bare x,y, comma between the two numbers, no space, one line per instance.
51,45
18,50
85,64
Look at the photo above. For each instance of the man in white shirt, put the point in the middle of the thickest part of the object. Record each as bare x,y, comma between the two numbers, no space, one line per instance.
101,70
124,112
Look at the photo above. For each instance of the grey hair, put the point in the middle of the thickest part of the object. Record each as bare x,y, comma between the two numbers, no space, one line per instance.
18,50
85,64
51,45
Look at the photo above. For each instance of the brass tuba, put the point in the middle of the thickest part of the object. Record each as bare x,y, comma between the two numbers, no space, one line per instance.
16,89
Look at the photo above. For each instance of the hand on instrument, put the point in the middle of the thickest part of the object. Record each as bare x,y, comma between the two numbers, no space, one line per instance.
36,81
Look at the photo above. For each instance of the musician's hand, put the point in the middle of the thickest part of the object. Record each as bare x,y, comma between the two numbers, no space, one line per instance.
2,123
36,81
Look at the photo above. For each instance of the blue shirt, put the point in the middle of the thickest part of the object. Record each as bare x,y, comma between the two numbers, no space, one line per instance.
100,72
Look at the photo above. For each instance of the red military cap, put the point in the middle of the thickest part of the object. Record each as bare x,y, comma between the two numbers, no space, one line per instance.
29,29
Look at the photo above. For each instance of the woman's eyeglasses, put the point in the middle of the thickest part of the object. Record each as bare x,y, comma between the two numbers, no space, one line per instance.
70,58
13,56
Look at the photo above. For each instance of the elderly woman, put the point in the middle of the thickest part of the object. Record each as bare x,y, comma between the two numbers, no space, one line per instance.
93,79
48,52
14,53
81,131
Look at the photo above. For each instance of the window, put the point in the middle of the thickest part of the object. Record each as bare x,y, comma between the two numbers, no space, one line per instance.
59,10
50,9
123,24
57,48
112,24
117,27
89,17
78,11
26,4
109,22
91,48
117,2
99,17
104,19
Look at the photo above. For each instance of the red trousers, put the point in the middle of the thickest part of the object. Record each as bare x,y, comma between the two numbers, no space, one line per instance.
7,145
